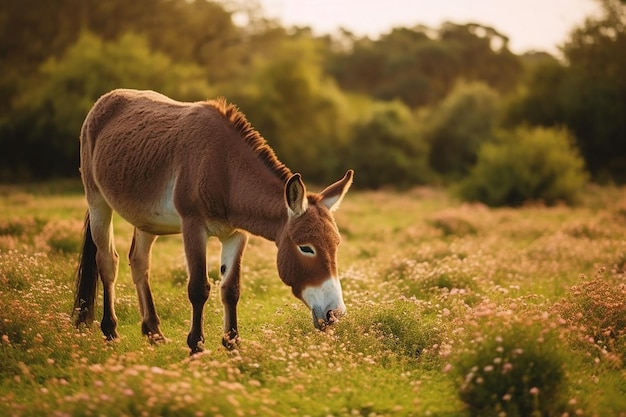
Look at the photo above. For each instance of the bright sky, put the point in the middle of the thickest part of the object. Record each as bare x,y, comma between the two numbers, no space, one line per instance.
529,24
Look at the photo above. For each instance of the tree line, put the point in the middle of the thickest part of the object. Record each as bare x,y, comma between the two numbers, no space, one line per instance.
417,106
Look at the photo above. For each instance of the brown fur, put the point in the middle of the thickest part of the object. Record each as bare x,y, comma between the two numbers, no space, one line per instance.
200,169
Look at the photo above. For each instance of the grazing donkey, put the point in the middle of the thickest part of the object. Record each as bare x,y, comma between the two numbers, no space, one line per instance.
200,169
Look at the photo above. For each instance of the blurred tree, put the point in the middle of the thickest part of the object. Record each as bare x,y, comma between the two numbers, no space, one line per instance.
542,101
300,111
359,69
534,59
60,55
386,148
33,30
44,129
30,32
208,36
587,93
420,66
421,78
70,85
458,126
596,99
484,54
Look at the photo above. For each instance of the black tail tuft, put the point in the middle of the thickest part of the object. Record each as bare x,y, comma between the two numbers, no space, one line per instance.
86,280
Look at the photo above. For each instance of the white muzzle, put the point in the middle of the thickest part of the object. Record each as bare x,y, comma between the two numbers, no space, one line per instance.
325,301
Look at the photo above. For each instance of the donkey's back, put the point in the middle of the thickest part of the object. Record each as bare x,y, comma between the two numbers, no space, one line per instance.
138,146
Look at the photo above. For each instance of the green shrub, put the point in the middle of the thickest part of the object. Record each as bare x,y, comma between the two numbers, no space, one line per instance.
528,164
401,329
387,149
516,372
407,331
459,125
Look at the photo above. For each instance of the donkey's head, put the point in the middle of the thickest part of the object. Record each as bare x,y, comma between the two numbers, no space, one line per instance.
307,248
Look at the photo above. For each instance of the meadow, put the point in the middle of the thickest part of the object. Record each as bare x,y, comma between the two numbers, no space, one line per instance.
454,309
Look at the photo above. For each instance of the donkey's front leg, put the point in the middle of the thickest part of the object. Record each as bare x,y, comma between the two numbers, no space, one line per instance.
232,251
195,240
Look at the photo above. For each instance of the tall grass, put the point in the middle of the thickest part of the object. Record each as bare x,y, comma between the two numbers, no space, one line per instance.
453,310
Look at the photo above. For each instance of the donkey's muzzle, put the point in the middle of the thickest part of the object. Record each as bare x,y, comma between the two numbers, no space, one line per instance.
322,319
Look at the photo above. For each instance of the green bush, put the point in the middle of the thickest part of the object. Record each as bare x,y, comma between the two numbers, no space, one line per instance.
387,149
458,126
406,330
516,372
528,164
399,330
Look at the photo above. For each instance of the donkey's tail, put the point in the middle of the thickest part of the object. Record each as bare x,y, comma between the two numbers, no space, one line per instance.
86,280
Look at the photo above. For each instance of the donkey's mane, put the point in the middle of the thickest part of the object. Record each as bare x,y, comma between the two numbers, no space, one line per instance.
251,136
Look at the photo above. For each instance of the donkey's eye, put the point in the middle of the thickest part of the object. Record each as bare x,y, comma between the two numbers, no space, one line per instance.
306,250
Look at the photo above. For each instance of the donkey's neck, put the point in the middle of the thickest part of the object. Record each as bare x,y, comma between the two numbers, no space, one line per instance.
257,205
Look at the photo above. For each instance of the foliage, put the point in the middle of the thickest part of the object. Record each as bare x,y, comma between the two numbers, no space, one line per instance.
387,149
91,67
33,32
314,98
458,126
297,108
530,164
62,55
69,86
420,66
587,94
518,371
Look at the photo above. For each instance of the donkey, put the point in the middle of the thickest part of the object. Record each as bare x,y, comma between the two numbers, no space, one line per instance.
202,170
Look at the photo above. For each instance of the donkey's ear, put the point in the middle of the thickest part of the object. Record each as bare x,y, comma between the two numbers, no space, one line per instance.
295,196
333,194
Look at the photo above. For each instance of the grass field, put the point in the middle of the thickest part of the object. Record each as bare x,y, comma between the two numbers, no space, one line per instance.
453,310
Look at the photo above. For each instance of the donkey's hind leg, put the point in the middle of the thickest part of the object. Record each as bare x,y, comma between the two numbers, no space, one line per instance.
107,259
140,258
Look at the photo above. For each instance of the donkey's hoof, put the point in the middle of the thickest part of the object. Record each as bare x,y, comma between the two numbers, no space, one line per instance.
109,328
230,342
196,345
111,336
196,350
83,317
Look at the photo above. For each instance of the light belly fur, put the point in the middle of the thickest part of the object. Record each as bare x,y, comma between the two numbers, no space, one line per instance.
158,217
